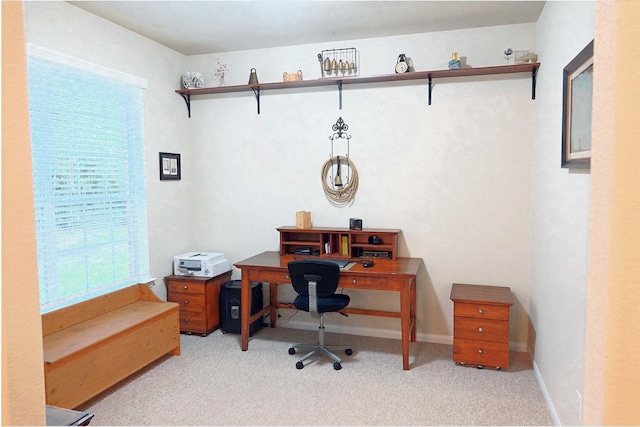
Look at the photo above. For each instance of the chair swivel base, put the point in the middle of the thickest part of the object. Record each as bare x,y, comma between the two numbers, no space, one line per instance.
320,349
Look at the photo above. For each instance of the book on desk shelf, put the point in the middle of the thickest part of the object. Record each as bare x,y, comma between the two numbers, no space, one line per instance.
345,245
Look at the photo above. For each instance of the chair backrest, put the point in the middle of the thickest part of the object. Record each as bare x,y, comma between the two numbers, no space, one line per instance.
326,273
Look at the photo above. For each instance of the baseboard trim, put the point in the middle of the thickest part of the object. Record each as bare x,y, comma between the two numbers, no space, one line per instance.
385,333
545,393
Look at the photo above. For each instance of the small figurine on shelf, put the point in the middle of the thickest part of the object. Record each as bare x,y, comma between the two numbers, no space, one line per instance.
221,72
454,64
508,53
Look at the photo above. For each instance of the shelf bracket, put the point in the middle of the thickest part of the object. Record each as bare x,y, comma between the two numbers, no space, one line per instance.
187,99
339,82
256,92
534,75
430,89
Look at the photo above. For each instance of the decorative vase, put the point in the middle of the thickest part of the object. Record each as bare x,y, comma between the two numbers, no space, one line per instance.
454,64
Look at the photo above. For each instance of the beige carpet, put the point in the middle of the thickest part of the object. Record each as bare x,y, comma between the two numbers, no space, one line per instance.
213,382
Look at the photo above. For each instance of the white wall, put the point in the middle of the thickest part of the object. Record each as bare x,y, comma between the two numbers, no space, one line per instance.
454,176
560,218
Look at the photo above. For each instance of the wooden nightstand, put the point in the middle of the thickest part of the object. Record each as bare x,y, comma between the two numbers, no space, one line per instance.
199,299
481,325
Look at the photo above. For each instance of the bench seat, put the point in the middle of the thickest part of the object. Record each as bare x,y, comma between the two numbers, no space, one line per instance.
90,346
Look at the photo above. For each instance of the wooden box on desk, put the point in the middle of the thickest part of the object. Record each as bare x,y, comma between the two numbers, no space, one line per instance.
303,219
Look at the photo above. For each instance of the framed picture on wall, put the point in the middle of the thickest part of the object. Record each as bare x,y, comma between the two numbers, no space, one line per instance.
577,96
169,166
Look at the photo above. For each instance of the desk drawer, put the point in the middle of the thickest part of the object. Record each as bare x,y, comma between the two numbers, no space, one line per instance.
188,302
367,282
481,329
481,310
186,287
270,277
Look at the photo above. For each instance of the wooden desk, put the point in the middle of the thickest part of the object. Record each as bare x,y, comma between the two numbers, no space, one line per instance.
397,275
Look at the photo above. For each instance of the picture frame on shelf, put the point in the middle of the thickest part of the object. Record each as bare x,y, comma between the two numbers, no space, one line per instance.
577,96
170,166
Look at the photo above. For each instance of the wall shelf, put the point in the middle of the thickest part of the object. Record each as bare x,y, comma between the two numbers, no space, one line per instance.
429,76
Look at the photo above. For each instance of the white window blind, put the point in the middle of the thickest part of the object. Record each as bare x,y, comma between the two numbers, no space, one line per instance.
89,182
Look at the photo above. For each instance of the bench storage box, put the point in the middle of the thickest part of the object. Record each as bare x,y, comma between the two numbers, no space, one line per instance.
92,345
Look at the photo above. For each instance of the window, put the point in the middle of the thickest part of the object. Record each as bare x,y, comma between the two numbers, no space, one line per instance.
89,178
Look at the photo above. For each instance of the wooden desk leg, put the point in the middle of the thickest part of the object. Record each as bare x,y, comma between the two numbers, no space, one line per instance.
405,320
245,309
413,310
273,300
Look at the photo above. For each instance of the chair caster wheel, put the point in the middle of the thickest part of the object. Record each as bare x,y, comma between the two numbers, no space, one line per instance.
292,350
299,365
337,366
349,352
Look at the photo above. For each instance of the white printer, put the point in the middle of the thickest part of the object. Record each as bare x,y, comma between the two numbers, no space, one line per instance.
205,264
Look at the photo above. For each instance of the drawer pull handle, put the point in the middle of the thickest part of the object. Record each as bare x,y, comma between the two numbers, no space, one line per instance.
186,302
287,276
480,351
481,311
185,287
354,281
479,329
186,320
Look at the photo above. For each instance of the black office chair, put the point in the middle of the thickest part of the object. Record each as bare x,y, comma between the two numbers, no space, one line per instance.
316,281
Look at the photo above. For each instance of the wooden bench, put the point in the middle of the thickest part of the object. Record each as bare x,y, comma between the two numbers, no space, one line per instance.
92,345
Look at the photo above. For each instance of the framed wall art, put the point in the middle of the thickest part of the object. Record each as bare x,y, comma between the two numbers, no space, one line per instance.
169,166
577,96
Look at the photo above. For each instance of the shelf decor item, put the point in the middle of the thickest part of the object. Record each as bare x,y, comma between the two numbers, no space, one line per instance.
192,80
577,95
292,77
524,57
221,72
402,66
170,166
253,77
339,62
455,63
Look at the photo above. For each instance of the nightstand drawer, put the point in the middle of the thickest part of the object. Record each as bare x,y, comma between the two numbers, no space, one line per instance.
188,302
481,310
481,352
185,287
481,329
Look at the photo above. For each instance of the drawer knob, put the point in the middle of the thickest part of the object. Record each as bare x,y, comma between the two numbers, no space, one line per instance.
479,329
287,276
187,302
186,320
481,311
185,287
480,351
354,281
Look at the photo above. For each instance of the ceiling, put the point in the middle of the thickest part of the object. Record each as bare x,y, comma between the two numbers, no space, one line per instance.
201,27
